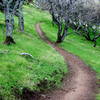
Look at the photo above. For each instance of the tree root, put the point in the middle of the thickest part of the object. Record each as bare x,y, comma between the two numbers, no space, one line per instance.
9,40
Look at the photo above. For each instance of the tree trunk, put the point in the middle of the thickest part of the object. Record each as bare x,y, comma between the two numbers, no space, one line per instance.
20,16
64,32
59,40
9,20
61,36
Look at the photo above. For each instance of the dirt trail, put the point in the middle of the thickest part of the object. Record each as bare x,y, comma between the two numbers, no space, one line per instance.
79,84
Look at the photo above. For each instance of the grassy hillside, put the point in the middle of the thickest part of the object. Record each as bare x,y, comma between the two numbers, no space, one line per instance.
18,72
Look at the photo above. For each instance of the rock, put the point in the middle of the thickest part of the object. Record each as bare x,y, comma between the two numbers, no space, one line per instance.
27,56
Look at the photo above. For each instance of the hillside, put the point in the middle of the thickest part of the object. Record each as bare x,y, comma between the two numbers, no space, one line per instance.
19,72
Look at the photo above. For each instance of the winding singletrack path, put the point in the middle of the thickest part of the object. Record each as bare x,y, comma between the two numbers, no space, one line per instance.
79,84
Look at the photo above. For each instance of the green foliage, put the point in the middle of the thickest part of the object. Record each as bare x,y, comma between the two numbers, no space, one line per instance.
19,72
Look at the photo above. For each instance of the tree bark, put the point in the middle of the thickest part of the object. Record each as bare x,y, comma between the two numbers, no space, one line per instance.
9,20
20,16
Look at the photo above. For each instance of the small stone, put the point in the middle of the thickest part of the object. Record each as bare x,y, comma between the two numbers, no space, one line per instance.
27,55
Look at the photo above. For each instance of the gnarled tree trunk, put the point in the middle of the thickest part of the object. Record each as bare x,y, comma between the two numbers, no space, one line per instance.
11,8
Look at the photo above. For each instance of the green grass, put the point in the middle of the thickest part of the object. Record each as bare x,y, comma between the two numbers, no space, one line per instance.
18,72
98,97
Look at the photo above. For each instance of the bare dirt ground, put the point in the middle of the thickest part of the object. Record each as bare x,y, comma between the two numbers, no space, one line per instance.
79,84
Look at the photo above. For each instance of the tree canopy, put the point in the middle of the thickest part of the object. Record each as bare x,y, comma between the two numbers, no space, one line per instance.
82,14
